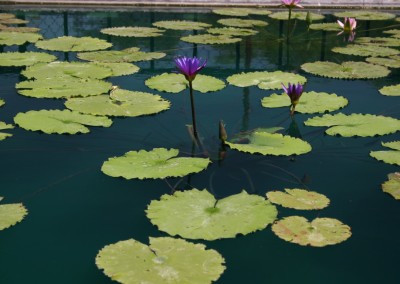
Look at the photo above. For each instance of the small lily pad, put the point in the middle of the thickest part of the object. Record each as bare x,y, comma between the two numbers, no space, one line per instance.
366,50
390,90
299,15
210,39
157,163
196,214
392,185
318,233
125,55
242,23
165,260
1,102
11,38
70,43
18,29
24,58
388,156
181,25
380,41
329,27
4,126
275,144
11,214
119,68
175,83
59,121
364,125
310,102
240,12
387,62
231,31
346,70
133,31
365,15
265,80
299,199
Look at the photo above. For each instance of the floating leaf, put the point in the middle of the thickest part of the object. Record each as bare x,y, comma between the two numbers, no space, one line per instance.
240,12
157,163
231,31
5,16
119,68
181,25
390,90
11,38
355,124
13,21
175,83
1,102
11,214
276,144
70,43
330,27
346,70
24,58
126,55
59,121
366,15
389,157
381,41
319,233
242,23
120,103
19,29
210,39
295,15
4,126
311,102
265,80
392,186
165,260
133,31
392,145
366,50
299,199
388,62
196,214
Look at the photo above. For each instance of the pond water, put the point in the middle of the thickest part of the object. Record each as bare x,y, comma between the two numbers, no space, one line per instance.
75,209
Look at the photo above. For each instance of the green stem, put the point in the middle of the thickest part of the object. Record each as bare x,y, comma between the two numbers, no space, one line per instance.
193,111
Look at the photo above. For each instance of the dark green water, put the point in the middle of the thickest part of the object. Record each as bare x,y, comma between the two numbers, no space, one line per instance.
75,210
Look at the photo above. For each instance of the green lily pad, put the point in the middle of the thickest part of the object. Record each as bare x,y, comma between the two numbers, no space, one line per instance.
329,27
390,90
310,102
265,80
240,12
63,87
388,156
70,43
392,185
165,260
196,214
1,102
4,28
119,68
181,25
387,62
126,55
242,23
318,233
365,15
381,41
120,103
59,121
11,214
395,32
133,31
5,16
11,38
299,15
276,144
24,58
364,125
298,199
346,70
231,31
366,50
392,145
157,163
175,83
210,39
4,126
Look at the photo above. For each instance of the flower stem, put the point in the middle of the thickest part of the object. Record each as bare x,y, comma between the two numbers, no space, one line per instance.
193,111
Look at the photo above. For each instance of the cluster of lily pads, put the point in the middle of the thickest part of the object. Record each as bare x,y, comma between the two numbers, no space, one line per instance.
196,214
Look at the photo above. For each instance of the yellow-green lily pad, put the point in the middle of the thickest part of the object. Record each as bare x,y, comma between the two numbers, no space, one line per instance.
11,38
70,43
133,31
365,15
4,126
300,199
210,39
392,185
231,31
330,27
4,28
387,62
182,25
299,15
380,41
119,68
11,214
24,58
241,12
393,90
125,55
242,23
388,156
366,50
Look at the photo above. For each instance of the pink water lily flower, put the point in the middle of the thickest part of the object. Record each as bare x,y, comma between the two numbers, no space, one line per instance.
294,92
189,66
291,3
348,25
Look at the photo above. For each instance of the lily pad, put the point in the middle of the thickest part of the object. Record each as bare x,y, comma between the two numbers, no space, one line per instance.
210,39
318,233
392,185
119,68
120,103
393,90
196,214
157,163
388,156
387,62
18,29
380,41
4,126
11,38
175,83
5,16
11,214
275,144
393,32
392,145
346,70
240,12
329,27
366,50
231,31
133,31
310,102
125,55
59,121
165,260
299,15
265,80
366,15
70,43
181,25
364,125
24,58
13,21
1,102
242,23
298,199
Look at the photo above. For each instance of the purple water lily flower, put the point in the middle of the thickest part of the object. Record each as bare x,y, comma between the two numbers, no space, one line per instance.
291,3
294,92
348,25
189,66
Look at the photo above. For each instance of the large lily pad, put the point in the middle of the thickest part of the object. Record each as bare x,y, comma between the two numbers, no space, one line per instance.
334,27
299,199
242,23
388,156
119,68
299,15
367,15
387,62
5,28
392,185
133,31
120,103
318,233
346,70
70,43
393,90
266,143
175,83
11,38
4,126
59,121
24,58
157,163
231,31
310,102
265,80
381,41
355,124
181,25
125,55
240,12
210,39
165,260
366,50
196,214
11,214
